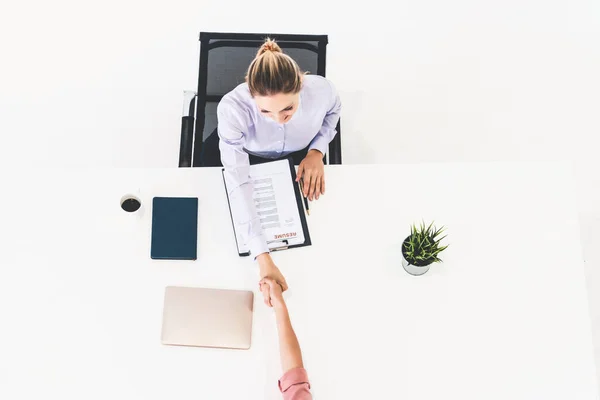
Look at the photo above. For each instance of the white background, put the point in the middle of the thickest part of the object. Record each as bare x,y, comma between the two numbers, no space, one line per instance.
100,83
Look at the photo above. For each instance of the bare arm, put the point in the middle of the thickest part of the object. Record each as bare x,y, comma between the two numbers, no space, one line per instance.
289,348
294,383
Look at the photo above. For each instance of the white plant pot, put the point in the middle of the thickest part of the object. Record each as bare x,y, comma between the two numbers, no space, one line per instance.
414,269
410,268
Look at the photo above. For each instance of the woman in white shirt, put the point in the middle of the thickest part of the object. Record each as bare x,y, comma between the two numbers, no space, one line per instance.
277,113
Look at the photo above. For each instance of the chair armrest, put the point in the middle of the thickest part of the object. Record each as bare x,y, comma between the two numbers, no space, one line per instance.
335,147
187,129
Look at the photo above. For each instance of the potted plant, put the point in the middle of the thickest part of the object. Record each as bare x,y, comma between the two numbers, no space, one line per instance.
422,248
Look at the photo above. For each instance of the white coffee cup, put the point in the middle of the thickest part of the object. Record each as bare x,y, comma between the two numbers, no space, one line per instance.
131,204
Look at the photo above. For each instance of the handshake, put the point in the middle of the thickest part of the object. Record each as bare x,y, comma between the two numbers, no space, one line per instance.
272,283
272,292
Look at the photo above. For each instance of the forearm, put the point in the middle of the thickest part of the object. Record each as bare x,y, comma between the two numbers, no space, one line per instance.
289,348
264,262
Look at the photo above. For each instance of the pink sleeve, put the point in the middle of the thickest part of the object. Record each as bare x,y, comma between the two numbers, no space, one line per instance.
294,385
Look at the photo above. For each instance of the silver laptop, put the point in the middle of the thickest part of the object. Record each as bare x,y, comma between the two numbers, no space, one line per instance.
207,317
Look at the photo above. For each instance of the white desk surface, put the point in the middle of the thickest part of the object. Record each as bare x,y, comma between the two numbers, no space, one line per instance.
504,317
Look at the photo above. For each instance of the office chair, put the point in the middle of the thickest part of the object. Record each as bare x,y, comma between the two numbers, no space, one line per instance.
224,60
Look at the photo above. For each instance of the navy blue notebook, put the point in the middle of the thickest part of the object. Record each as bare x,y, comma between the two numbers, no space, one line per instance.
174,228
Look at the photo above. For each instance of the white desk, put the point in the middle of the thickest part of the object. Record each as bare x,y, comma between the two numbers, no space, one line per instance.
504,317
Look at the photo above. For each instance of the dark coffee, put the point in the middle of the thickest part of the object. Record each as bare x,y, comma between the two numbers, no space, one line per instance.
131,205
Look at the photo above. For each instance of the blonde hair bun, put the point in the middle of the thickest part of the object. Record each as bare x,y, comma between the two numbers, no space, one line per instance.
269,45
273,72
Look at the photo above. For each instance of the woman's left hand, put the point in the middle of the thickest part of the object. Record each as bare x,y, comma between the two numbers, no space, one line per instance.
312,171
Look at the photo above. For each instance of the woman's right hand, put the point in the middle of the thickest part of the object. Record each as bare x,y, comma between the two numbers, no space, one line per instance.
268,269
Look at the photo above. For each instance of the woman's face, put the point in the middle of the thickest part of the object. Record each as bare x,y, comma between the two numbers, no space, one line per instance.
279,107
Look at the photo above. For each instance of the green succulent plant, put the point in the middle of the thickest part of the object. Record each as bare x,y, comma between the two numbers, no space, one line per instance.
423,247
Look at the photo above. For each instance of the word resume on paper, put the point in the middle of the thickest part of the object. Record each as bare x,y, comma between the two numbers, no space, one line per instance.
274,196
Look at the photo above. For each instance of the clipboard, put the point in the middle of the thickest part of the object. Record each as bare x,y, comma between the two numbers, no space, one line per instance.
282,244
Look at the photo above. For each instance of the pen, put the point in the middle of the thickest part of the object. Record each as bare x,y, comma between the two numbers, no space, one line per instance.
302,194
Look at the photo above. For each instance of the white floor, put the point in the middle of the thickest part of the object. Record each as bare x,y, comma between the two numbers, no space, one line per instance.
86,84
